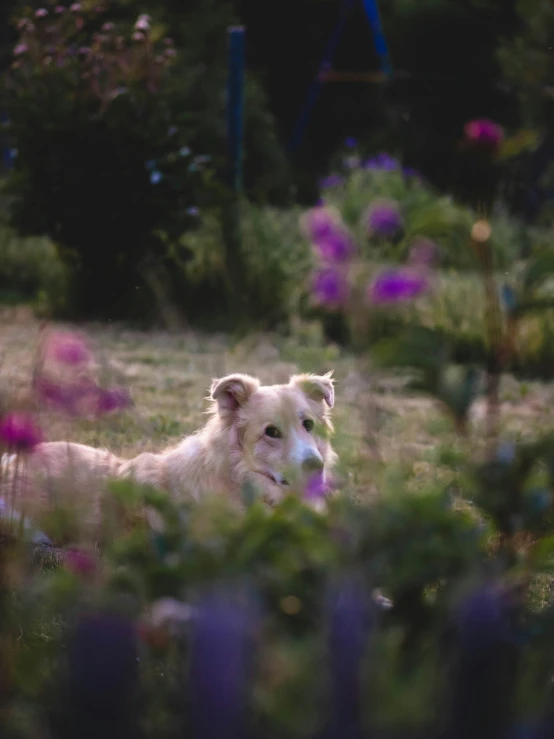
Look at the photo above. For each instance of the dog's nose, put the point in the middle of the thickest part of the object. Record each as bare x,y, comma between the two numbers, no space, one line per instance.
313,463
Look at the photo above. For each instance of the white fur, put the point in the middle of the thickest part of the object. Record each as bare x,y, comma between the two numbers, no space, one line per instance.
232,449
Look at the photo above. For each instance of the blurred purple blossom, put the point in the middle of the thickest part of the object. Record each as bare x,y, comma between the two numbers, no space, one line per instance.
382,161
59,9
384,219
330,287
350,142
143,23
138,36
333,180
41,13
114,399
18,431
484,132
109,26
75,8
20,49
396,286
317,487
68,348
323,228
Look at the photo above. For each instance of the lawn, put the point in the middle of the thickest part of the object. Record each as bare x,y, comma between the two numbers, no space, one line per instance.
385,435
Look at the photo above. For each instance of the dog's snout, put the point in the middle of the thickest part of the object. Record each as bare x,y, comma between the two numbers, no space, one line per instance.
312,463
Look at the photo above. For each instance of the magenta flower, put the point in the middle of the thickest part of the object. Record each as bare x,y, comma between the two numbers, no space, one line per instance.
75,8
330,287
143,23
338,247
68,348
59,9
484,132
384,220
317,487
20,49
41,13
19,432
79,563
383,162
116,399
396,286
138,36
109,26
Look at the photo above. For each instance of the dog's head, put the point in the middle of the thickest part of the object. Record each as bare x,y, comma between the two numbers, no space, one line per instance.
279,433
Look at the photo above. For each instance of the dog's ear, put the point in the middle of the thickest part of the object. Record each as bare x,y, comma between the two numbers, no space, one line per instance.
316,387
231,392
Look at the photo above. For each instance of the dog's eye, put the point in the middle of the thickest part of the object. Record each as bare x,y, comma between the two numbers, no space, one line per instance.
308,425
273,432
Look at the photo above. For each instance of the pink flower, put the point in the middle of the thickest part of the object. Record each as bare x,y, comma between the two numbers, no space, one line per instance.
168,41
68,348
484,132
396,286
79,563
143,23
41,13
138,36
18,431
20,49
75,8
21,24
170,52
59,9
108,26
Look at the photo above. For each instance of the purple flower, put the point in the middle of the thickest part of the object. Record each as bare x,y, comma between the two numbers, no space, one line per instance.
384,220
382,162
59,9
68,348
396,286
138,36
192,211
20,49
337,247
319,223
18,431
41,13
330,287
115,399
75,8
109,26
411,172
143,23
333,180
350,142
317,487
484,132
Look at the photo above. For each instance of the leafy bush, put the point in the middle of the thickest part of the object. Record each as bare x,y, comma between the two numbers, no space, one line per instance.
114,173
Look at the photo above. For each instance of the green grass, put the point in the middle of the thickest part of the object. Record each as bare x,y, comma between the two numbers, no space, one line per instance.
385,436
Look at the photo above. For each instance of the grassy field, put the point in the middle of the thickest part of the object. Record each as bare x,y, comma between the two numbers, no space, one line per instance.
385,436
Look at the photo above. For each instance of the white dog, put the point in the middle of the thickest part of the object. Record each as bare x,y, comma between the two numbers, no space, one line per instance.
274,437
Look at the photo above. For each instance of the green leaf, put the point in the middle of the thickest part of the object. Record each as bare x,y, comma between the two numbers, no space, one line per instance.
537,271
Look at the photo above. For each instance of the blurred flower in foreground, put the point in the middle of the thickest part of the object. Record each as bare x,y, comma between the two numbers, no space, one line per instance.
83,397
114,399
350,142
384,219
329,287
317,487
397,285
18,431
68,348
484,132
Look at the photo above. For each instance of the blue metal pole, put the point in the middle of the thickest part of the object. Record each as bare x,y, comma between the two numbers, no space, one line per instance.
235,104
372,11
315,89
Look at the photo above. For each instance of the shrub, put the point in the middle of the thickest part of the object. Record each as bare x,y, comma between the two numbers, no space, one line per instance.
113,173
